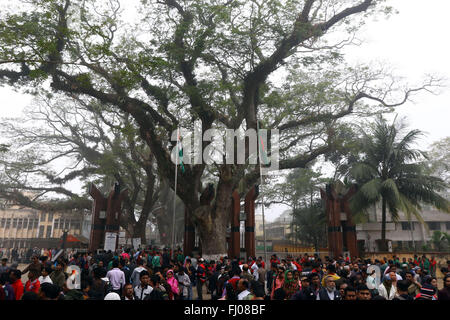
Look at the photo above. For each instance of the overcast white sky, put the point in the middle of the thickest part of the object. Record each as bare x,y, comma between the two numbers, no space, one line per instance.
415,42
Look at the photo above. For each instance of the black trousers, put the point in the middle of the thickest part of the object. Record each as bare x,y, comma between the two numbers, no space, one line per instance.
199,289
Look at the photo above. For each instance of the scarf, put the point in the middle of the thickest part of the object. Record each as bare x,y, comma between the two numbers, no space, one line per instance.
286,281
173,282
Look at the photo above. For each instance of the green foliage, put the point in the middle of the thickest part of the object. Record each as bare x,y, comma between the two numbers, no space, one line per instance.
309,225
392,171
440,240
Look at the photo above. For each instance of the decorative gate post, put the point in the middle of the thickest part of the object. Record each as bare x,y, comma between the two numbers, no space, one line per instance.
111,221
350,227
235,246
333,208
337,203
250,221
98,222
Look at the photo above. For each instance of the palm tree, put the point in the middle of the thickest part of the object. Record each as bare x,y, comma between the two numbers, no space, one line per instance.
391,171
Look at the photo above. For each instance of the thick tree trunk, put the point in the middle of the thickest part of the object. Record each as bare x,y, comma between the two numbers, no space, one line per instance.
135,229
139,232
165,229
212,220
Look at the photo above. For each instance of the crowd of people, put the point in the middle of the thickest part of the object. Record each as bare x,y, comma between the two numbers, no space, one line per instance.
19,255
153,274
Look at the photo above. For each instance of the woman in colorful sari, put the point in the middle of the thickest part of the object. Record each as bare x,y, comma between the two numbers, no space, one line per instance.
290,285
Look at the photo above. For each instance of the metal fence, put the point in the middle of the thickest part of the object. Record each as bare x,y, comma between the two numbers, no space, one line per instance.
283,255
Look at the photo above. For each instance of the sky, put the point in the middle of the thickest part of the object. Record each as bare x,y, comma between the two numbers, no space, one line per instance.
413,42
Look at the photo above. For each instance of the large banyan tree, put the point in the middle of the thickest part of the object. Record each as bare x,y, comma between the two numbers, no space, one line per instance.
229,64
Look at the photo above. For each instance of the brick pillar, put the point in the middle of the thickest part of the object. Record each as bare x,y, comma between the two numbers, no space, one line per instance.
235,246
98,225
189,234
350,227
333,210
250,221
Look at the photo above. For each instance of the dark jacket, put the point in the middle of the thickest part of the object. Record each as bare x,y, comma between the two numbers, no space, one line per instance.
156,294
269,280
404,297
58,278
323,295
305,294
444,294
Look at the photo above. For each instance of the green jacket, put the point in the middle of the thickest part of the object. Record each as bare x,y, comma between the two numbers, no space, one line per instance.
156,262
425,265
73,295
58,278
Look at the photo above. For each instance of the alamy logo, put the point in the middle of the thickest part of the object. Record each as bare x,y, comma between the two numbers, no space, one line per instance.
223,149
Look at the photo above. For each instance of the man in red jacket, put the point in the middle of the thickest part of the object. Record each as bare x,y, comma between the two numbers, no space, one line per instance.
16,283
33,283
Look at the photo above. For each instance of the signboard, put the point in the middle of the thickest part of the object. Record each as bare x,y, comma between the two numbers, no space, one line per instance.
122,239
390,246
136,243
102,215
110,241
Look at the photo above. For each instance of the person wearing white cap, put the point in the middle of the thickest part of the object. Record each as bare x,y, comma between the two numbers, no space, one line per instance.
112,296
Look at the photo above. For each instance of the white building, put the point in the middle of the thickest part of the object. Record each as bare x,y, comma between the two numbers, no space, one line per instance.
401,234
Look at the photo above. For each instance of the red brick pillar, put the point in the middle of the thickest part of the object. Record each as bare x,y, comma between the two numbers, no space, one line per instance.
350,227
250,221
333,211
98,225
235,245
189,234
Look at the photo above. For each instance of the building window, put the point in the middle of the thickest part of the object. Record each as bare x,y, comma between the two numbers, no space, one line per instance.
14,223
36,222
447,224
8,223
77,225
49,232
41,232
19,224
2,225
50,217
25,223
407,225
67,224
56,224
434,225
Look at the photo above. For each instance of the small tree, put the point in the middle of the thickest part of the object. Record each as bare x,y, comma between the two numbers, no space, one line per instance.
309,225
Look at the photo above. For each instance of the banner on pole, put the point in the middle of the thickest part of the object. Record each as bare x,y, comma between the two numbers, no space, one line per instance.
110,241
